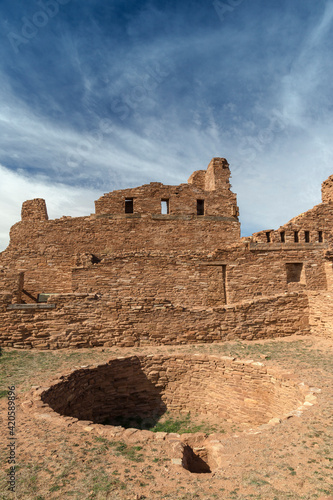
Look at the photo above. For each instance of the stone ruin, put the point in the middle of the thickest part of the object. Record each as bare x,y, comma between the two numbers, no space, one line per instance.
164,264
124,398
159,265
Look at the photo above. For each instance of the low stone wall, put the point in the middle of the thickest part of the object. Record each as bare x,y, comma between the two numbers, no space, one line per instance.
145,387
83,320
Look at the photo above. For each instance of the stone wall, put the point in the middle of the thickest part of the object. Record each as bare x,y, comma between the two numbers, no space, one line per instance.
12,282
130,278
198,279
313,226
321,313
46,251
327,190
80,320
253,271
34,210
181,279
212,187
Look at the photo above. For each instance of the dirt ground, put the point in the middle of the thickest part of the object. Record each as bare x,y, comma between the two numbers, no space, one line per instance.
292,460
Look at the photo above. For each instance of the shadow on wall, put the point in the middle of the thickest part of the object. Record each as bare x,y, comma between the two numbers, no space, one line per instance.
115,394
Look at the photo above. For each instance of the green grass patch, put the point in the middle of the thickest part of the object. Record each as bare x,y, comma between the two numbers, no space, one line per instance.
129,452
183,425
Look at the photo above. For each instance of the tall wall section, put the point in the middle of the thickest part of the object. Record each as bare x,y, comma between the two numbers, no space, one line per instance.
321,304
197,219
301,238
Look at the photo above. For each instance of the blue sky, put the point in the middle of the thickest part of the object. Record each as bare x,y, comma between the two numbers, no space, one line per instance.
99,95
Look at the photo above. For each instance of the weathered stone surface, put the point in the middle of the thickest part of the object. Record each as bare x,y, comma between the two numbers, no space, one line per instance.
140,278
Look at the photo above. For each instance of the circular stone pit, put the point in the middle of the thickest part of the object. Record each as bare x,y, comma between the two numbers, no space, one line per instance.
138,390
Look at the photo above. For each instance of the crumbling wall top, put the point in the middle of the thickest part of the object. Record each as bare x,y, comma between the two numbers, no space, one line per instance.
216,177
327,190
206,193
34,210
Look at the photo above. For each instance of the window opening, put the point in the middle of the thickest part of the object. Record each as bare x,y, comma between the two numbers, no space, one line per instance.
165,207
294,272
282,236
268,236
128,205
200,207
296,240
320,236
307,236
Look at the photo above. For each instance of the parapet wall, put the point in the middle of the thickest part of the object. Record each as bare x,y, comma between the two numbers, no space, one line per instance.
313,226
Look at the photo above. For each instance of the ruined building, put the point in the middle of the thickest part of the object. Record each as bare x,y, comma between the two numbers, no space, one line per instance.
164,264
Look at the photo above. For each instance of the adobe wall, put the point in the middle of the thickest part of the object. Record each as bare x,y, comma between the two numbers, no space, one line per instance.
88,320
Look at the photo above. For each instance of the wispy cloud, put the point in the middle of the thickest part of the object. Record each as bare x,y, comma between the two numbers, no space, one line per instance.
109,95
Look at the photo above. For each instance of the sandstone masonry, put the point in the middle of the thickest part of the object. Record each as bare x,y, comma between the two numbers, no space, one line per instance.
165,265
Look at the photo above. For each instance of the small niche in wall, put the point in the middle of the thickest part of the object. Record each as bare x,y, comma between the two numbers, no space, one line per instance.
129,206
296,239
307,236
295,272
320,237
94,259
268,236
283,236
165,207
